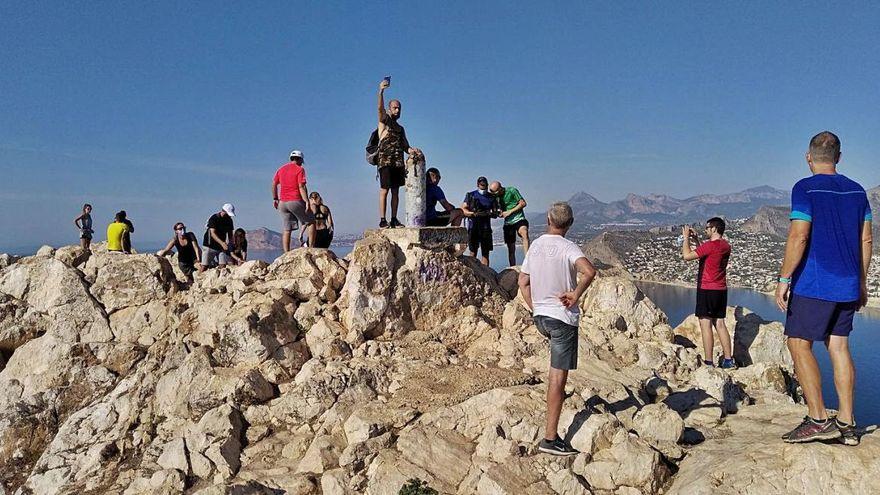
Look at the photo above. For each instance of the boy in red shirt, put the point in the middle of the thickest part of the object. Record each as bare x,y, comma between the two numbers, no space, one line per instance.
711,287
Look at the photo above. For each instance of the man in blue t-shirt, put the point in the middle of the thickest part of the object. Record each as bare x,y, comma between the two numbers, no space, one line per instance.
433,195
823,283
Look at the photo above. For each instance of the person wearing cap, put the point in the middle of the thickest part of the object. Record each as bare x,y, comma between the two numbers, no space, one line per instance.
289,192
479,208
218,237
433,195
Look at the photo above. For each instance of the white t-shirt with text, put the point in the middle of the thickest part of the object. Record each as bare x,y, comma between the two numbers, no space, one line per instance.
550,264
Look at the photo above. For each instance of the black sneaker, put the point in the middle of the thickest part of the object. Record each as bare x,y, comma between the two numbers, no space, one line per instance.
383,224
395,223
556,447
727,364
811,430
848,433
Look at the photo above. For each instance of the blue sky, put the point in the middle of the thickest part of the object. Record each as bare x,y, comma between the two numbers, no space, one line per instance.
169,109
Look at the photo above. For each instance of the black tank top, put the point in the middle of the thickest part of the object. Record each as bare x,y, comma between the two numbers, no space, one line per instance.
186,254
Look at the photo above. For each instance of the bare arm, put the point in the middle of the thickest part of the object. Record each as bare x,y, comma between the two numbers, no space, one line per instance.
77,220
275,192
382,113
304,191
446,205
867,251
520,206
587,273
217,238
687,253
795,246
525,288
329,219
167,248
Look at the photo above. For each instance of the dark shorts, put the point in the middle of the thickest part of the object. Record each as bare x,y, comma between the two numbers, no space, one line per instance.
323,238
186,268
441,220
392,177
480,239
563,342
711,303
510,231
816,319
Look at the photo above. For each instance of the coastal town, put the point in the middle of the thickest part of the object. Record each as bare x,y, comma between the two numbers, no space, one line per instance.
754,261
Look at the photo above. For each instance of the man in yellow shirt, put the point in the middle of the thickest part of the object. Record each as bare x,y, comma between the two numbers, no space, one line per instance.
115,232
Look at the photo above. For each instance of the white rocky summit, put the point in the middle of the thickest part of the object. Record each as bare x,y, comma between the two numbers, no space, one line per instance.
315,374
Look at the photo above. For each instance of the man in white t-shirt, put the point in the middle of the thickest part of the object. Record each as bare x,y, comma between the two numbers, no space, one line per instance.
548,282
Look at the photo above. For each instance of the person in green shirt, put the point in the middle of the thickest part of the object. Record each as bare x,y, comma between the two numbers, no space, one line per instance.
515,224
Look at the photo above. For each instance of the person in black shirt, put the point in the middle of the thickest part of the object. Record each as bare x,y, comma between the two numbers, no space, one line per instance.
188,251
126,236
218,238
480,208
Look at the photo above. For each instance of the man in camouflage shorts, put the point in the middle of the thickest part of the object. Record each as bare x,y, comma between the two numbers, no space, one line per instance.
392,145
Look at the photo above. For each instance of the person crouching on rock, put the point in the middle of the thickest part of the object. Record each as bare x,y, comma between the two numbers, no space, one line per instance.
188,251
239,246
550,288
711,288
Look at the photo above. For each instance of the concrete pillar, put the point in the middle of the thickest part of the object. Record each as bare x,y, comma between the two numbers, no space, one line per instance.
415,191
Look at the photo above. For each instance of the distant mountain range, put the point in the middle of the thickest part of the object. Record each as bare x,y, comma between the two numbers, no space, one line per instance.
642,212
263,239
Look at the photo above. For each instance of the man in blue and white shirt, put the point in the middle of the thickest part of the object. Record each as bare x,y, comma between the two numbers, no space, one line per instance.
823,283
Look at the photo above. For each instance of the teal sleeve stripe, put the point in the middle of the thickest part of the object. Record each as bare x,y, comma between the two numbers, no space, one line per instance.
799,215
869,217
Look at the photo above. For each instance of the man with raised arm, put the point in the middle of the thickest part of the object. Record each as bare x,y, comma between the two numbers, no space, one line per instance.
550,287
392,145
822,283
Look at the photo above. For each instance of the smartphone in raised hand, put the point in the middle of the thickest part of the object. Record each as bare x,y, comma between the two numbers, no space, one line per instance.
387,79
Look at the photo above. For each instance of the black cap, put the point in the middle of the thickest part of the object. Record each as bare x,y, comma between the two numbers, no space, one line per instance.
482,179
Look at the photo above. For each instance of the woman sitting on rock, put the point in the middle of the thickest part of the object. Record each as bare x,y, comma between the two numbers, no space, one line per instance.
323,222
239,246
188,251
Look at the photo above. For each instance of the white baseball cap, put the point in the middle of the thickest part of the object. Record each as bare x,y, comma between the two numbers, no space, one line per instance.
229,209
296,154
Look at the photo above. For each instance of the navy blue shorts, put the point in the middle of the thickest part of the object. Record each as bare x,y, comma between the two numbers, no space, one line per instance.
817,319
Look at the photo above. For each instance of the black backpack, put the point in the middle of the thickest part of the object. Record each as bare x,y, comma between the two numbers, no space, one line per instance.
372,150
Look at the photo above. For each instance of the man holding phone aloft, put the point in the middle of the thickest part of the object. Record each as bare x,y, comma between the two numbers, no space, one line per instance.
392,166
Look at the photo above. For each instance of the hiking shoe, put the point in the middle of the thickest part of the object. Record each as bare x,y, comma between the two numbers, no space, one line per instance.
811,430
848,433
556,447
708,363
383,224
395,223
727,364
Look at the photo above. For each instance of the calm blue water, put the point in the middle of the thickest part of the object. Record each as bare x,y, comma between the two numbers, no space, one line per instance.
678,304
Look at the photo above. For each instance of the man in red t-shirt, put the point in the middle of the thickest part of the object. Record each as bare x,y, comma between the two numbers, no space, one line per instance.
711,288
288,196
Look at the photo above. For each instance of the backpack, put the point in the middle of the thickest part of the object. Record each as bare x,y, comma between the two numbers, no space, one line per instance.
372,150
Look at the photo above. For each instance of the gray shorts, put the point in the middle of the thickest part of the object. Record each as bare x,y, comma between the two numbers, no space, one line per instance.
563,342
292,212
214,257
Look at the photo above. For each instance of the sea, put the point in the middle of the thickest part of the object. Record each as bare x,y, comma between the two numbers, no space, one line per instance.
678,303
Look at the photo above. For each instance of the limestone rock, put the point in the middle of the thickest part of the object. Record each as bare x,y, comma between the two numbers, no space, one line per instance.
131,280
45,251
629,463
755,340
308,273
74,256
763,464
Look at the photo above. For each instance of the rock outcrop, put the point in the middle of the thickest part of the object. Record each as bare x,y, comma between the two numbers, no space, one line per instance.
314,374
